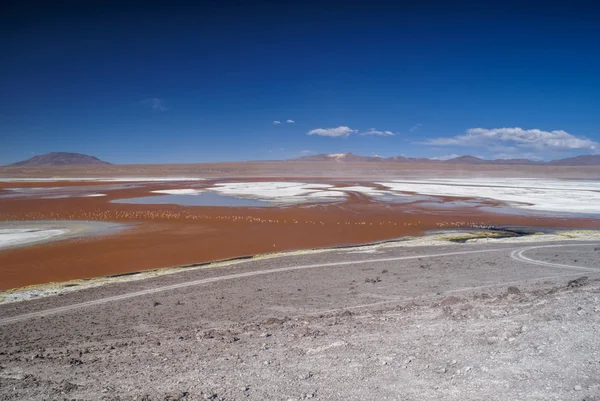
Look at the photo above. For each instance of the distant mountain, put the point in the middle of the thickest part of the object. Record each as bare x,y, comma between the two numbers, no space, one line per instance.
477,160
465,160
513,161
338,157
587,160
59,159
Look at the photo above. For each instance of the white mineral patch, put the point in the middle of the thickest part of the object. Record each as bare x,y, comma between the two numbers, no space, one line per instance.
101,179
187,191
19,236
278,192
93,195
568,196
326,194
365,190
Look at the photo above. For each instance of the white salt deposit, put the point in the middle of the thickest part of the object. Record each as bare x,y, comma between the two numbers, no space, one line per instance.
365,190
93,195
278,192
102,179
186,191
19,236
568,196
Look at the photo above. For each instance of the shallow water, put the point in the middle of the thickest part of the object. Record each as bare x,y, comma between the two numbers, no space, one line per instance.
75,191
203,199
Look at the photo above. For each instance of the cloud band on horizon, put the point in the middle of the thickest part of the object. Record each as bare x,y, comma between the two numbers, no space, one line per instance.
518,137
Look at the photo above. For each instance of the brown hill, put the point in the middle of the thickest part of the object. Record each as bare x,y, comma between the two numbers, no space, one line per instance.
59,159
586,160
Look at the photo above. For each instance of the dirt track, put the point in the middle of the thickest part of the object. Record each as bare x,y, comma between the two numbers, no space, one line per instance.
352,324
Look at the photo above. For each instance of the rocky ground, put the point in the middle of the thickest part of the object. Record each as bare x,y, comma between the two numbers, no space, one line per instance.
241,340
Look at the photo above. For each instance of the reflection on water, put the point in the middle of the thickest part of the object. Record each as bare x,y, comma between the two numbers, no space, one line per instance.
203,199
74,191
403,198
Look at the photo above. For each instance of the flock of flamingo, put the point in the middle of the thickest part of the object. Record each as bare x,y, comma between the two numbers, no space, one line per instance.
170,215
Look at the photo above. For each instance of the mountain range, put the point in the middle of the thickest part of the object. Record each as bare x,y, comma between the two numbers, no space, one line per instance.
59,159
586,160
79,159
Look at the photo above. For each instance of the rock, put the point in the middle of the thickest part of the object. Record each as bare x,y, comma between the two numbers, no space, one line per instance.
577,388
492,340
578,282
452,300
513,290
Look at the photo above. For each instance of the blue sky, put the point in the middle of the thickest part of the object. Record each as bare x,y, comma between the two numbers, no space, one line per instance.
135,83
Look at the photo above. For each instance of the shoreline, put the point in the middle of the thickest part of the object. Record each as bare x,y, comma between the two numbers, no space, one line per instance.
457,237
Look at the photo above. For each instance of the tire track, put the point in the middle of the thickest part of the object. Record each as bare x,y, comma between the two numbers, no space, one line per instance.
121,297
516,254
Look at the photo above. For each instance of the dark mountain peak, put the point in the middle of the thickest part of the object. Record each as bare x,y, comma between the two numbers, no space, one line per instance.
59,159
466,160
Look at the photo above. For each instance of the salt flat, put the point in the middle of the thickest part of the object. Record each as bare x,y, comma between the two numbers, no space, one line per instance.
281,192
10,237
24,233
570,196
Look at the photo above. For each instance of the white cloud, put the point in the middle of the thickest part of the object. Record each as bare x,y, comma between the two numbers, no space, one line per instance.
522,138
290,121
342,130
306,152
446,157
276,122
154,103
415,127
373,131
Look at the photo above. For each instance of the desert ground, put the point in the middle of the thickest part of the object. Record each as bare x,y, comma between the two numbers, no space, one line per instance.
253,281
487,320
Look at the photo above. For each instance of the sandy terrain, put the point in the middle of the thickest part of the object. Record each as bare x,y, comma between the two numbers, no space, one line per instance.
490,321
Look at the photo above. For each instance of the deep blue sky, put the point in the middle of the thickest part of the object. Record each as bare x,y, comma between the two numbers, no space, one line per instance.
132,82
